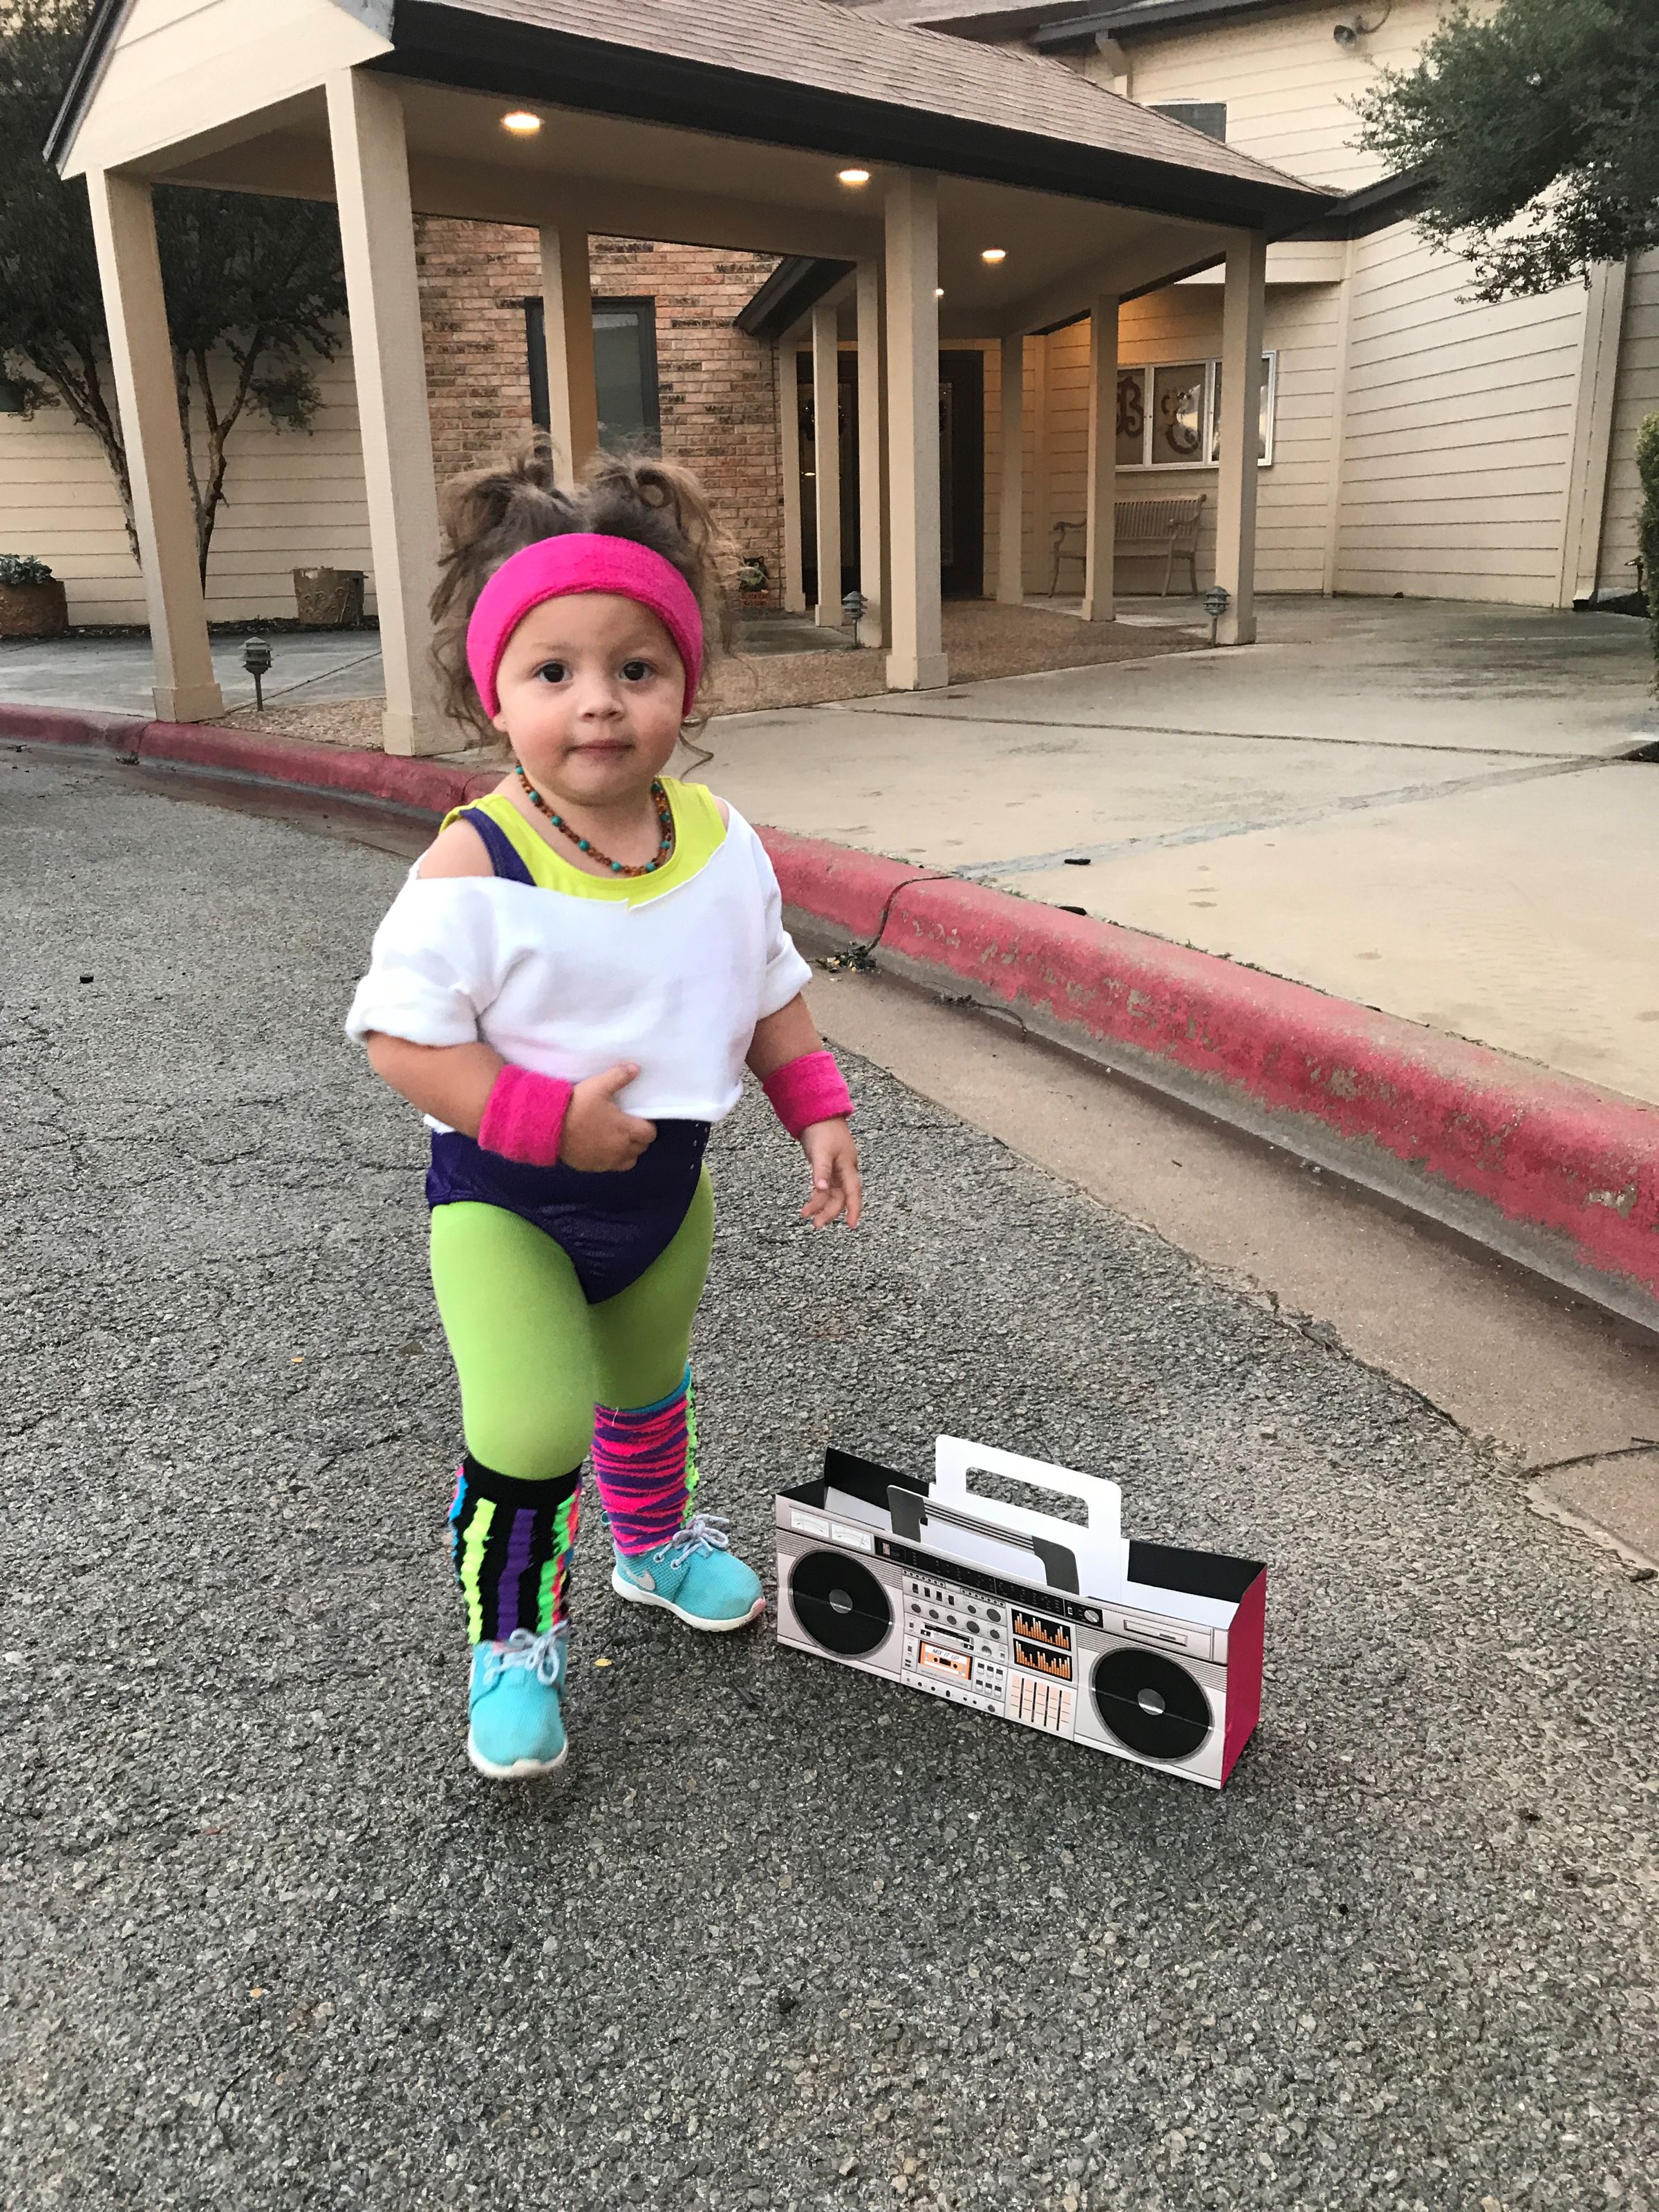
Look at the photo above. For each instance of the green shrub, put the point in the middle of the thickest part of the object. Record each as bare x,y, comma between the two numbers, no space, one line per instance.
1647,536
24,568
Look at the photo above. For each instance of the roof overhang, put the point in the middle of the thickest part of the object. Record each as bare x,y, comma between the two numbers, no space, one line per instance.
700,144
520,60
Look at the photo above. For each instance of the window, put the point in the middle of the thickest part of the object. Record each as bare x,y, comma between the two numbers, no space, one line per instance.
624,371
1209,116
1168,414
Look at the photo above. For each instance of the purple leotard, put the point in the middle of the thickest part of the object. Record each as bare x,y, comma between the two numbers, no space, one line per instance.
611,1226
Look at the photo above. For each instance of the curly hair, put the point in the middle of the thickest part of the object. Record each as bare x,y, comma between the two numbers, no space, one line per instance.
491,513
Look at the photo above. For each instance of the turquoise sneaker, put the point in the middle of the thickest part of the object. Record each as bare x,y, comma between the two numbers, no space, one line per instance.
515,1728
694,1576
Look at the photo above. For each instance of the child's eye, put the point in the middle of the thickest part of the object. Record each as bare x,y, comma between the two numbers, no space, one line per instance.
637,671
552,671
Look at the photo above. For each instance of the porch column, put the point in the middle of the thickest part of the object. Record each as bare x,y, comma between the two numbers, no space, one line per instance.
795,586
872,500
826,462
916,661
164,517
1042,540
1239,434
572,405
383,301
1101,510
1010,506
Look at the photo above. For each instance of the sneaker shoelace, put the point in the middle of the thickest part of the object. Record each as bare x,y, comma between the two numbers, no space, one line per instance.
703,1532
542,1655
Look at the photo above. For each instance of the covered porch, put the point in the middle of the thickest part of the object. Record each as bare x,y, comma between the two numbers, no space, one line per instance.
959,192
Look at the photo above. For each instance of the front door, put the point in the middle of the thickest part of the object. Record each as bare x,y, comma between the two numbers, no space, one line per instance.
962,474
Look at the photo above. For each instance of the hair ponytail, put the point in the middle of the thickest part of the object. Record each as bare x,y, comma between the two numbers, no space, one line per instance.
492,514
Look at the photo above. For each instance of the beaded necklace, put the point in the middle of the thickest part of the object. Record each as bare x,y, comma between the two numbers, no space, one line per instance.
665,823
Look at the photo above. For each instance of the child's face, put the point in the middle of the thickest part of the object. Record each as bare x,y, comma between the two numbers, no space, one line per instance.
591,692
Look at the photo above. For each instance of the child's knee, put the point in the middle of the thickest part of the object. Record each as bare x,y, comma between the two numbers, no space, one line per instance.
530,1443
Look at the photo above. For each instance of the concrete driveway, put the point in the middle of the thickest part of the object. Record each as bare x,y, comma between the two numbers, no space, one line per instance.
1425,807
788,1938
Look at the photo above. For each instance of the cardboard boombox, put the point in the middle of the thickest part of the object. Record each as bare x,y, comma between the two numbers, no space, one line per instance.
1145,1651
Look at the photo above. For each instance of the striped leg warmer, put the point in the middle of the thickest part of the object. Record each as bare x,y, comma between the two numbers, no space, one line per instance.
511,1543
644,1462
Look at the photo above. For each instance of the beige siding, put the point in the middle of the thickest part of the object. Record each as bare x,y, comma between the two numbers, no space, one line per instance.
1636,396
1457,431
1285,82
1183,323
180,67
295,501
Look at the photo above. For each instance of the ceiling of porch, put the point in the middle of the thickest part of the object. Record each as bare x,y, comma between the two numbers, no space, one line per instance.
619,177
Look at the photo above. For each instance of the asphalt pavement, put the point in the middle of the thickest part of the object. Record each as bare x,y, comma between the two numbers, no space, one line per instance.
782,1935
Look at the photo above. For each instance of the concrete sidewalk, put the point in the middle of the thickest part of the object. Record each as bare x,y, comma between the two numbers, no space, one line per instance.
1427,808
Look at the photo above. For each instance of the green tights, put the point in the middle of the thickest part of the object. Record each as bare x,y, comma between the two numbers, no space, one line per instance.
533,1358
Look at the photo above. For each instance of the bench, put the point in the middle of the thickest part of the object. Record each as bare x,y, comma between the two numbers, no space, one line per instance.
1143,528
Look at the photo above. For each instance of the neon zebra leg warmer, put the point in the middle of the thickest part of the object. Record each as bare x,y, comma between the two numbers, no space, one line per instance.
645,1462
510,1542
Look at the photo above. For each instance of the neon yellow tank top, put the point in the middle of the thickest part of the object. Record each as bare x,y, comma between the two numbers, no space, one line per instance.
699,832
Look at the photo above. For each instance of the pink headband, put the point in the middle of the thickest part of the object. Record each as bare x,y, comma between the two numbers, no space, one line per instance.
559,568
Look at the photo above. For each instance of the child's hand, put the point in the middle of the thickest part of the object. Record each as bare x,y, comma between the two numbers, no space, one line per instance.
836,1187
599,1137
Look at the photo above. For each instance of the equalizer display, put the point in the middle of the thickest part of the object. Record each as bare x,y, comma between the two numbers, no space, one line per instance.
1040,1645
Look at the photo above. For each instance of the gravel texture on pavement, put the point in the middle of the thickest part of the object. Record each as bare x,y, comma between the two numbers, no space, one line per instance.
781,1935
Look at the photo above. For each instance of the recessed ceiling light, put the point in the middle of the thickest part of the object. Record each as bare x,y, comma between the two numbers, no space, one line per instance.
852,176
995,253
521,124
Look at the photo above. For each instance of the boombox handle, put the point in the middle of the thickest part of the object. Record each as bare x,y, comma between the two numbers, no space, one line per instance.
1099,1553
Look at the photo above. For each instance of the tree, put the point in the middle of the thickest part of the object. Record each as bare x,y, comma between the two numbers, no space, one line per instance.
1539,128
254,287
1647,539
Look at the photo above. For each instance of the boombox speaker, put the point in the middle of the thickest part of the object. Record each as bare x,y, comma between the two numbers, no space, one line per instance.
1143,1650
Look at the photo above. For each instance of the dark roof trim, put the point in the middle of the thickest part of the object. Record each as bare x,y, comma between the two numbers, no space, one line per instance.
793,289
1124,21
995,23
521,61
1374,207
106,19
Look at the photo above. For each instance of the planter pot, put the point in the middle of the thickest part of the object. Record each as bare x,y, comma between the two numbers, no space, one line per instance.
33,610
329,599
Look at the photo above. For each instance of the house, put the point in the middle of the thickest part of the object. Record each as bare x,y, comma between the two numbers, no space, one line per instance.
1409,441
962,184
1413,441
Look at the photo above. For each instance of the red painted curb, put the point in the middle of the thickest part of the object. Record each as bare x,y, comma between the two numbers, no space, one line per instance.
428,786
1549,1154
72,726
1573,1170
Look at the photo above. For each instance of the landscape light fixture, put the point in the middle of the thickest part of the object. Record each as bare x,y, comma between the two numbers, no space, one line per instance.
852,176
521,123
995,253
1217,600
256,659
853,607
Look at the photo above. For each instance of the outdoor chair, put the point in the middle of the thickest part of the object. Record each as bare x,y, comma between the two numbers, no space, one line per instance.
1143,527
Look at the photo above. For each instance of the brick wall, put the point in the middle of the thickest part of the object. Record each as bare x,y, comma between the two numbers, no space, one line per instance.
716,387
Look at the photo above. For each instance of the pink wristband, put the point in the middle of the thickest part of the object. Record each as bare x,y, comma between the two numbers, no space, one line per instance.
808,1090
524,1116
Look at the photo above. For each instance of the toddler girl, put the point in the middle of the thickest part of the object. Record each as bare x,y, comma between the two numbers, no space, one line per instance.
568,986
